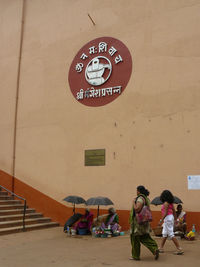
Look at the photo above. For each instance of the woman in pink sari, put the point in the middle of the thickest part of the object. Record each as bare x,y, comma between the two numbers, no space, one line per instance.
85,222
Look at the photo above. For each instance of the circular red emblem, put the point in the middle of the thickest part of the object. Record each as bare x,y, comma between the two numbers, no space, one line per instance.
100,71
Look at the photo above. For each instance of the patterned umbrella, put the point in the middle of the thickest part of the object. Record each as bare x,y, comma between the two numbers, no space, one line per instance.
74,200
156,201
97,201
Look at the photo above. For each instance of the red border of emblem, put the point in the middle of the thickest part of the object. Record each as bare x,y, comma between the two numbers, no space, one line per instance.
99,95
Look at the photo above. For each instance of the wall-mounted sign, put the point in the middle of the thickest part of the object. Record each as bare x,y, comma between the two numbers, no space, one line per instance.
193,182
95,157
100,71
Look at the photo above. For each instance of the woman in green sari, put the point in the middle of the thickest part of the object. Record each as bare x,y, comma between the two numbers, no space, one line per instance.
140,233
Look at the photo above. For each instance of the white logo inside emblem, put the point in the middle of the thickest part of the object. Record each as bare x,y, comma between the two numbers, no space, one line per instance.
97,71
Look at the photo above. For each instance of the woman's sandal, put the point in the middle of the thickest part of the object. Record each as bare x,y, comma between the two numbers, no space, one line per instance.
179,252
133,259
156,254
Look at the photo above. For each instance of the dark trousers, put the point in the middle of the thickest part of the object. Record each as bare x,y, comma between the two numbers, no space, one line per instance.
146,240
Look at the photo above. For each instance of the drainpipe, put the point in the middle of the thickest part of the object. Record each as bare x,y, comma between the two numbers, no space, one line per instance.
17,94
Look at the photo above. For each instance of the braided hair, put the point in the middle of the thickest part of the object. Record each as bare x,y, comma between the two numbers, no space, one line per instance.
143,190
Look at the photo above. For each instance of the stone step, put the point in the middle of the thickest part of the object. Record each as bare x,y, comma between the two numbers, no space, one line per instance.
20,216
7,224
11,216
3,193
16,211
11,230
2,197
11,207
9,202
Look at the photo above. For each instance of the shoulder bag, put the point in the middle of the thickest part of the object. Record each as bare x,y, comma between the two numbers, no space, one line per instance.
144,215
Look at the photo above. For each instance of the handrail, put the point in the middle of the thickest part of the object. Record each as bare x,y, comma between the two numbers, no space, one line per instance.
13,194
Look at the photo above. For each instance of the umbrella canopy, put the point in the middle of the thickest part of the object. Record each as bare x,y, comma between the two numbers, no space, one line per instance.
156,201
74,200
74,218
97,201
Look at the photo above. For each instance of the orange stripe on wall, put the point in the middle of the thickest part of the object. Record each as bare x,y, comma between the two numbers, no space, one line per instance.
6,180
60,213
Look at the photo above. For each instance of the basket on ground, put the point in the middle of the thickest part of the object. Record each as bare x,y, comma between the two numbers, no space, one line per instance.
157,231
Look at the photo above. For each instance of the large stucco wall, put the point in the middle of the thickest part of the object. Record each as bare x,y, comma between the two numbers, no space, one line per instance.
150,133
10,16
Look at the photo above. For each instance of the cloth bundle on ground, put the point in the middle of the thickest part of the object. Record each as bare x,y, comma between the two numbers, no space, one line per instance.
98,221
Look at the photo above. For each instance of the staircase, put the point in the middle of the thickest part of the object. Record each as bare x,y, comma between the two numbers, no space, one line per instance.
11,216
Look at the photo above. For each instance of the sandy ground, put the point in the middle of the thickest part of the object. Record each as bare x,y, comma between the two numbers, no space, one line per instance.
51,247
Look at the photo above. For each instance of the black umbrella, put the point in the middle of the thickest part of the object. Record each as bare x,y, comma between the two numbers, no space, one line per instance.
74,200
97,201
156,201
74,218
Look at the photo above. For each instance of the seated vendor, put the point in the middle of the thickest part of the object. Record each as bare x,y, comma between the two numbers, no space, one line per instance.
181,225
85,222
111,221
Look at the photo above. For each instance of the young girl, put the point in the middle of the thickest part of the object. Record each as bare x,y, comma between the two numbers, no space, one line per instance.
168,216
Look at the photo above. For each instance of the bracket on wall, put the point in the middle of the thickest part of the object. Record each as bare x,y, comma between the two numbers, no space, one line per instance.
91,19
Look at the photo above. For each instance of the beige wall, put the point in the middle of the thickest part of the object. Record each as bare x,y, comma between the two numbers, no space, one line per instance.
152,127
10,15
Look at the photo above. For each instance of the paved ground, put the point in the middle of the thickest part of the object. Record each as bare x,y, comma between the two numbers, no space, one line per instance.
51,247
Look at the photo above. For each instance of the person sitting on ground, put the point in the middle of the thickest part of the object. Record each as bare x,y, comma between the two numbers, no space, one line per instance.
85,222
181,220
112,221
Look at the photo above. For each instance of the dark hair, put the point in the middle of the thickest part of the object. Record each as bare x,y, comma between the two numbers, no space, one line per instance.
167,196
142,190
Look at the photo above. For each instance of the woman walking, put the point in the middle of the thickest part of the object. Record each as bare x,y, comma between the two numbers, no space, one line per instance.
168,216
140,232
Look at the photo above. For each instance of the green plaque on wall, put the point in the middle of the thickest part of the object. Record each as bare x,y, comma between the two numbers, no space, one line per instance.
95,157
